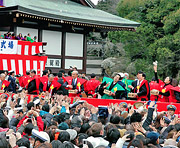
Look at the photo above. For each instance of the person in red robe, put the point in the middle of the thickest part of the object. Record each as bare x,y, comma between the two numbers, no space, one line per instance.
92,86
24,80
4,84
33,85
74,83
141,87
175,91
48,84
164,87
154,85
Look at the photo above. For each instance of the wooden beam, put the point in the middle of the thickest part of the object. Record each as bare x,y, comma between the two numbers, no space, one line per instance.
84,52
63,48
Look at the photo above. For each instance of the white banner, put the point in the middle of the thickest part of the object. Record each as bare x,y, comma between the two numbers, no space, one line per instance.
8,46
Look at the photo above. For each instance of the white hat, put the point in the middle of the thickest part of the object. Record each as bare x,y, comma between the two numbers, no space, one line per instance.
41,135
94,141
121,74
72,133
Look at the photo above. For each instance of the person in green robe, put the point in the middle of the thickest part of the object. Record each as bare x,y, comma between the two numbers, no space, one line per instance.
112,86
29,38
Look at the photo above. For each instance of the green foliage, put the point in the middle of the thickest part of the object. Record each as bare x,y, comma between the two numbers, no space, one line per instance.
158,37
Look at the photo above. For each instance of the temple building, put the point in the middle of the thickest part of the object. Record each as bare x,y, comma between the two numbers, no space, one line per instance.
63,24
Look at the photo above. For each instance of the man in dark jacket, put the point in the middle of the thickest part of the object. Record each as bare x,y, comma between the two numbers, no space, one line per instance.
12,81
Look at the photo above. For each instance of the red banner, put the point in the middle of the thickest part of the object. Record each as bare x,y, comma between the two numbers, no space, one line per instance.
21,63
162,106
28,48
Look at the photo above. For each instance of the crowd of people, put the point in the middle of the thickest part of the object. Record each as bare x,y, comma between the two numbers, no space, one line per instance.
20,37
51,120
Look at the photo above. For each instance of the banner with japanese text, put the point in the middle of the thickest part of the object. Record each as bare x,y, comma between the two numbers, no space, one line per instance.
8,46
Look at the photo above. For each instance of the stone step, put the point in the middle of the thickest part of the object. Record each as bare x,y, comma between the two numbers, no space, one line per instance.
94,62
93,66
93,70
94,58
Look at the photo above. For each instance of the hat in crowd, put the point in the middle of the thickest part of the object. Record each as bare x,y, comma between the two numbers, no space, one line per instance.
138,104
153,136
41,135
72,133
5,96
103,111
94,141
63,126
170,142
126,74
121,74
124,104
171,107
166,120
11,72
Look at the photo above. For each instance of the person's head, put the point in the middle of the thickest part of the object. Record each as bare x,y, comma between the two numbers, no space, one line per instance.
68,145
141,76
24,142
136,117
32,73
45,73
29,34
20,35
93,76
117,78
2,76
62,71
168,80
96,130
84,127
49,71
12,73
123,106
136,143
154,137
27,72
64,136
74,74
45,145
113,135
4,143
6,72
51,77
126,75
79,139
45,107
30,105
83,74
56,143
60,75
171,109
39,138
115,119
74,68
28,128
